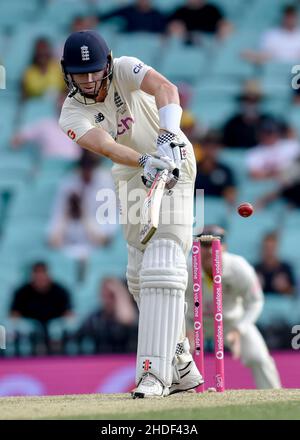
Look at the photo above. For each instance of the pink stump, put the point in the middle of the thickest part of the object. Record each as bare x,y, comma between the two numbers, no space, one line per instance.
218,314
198,316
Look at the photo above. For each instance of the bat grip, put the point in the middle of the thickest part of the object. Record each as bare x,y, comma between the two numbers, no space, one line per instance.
175,173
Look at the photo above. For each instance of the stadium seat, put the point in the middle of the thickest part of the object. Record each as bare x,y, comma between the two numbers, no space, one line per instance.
86,295
9,107
16,162
167,5
292,220
288,248
257,18
293,117
245,234
228,61
62,12
51,169
36,109
144,46
20,236
278,71
216,211
15,170
213,88
191,66
33,202
277,308
106,7
213,113
22,43
234,10
15,12
62,329
251,190
24,328
234,158
8,287
62,268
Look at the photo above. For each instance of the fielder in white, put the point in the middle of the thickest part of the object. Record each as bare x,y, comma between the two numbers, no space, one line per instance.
242,305
126,111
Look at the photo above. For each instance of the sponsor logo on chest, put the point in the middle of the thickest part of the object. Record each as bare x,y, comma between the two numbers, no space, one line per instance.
99,117
119,103
125,125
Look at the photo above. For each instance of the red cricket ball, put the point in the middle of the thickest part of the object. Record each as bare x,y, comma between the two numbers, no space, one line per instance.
245,209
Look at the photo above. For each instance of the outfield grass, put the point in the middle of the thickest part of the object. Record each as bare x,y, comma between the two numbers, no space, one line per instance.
242,404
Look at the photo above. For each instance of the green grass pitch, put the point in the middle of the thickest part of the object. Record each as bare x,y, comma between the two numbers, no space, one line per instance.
241,404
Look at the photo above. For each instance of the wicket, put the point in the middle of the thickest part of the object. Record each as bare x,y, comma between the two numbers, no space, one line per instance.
218,311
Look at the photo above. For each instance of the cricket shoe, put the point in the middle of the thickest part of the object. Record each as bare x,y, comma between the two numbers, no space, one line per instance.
148,387
189,378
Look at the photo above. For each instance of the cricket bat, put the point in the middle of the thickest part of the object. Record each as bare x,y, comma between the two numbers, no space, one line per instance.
151,207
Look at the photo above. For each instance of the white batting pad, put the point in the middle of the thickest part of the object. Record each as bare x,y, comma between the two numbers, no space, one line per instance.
135,258
163,281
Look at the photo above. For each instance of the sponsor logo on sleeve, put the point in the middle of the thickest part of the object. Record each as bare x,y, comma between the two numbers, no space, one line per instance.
71,134
138,67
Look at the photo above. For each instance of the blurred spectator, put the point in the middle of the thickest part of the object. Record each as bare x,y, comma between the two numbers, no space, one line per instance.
214,177
79,23
241,130
138,17
74,233
280,44
41,298
275,276
49,136
90,177
273,154
188,124
83,22
44,74
296,96
113,327
198,16
288,189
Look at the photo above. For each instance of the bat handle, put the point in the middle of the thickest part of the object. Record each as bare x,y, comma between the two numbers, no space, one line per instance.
175,173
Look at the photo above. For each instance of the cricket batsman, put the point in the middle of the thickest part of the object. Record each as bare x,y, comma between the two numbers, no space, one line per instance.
242,305
126,111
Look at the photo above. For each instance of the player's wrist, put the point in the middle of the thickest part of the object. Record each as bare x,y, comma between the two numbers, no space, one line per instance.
170,117
165,137
143,159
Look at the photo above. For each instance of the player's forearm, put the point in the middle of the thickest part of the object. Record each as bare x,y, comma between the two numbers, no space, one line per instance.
100,142
251,314
166,98
166,93
121,154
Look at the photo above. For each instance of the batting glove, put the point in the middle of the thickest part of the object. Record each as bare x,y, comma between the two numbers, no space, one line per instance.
152,165
169,145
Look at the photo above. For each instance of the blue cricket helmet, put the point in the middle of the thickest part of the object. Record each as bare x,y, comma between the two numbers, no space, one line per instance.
85,52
